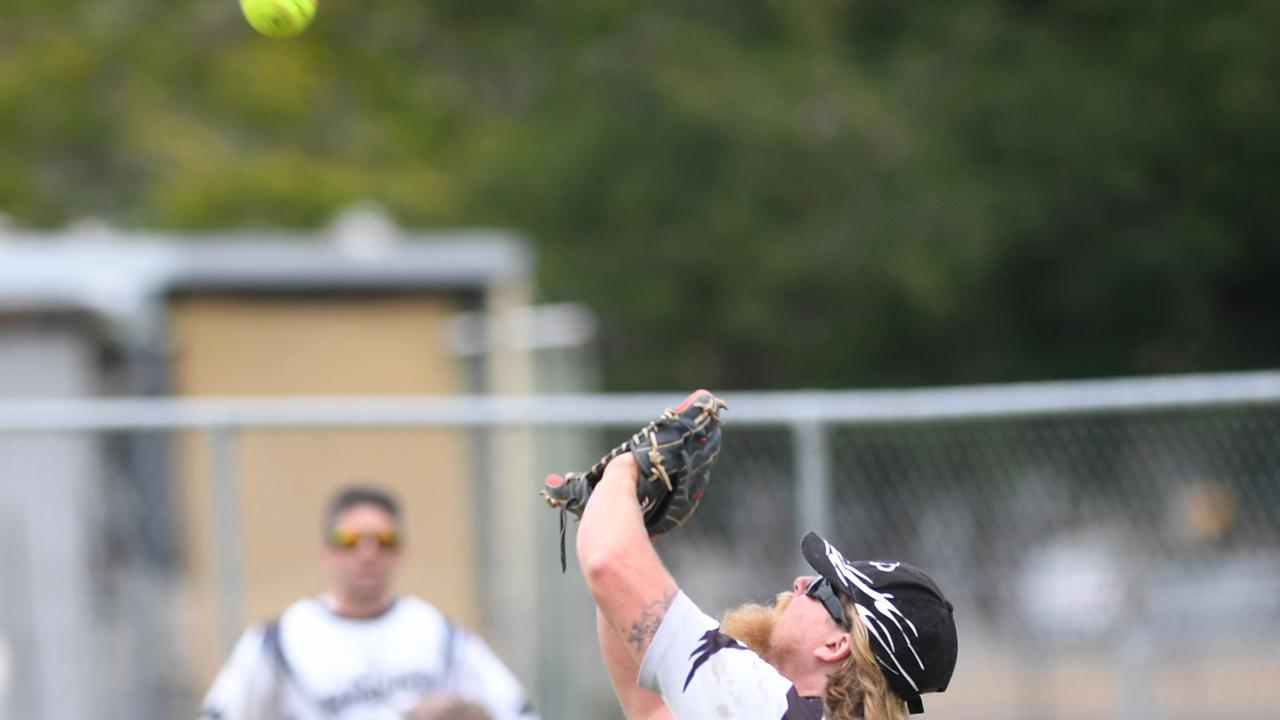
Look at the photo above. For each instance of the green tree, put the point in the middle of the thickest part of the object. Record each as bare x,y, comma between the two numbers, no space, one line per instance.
751,193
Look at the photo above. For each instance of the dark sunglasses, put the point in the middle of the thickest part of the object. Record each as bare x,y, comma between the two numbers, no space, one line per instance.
349,539
821,589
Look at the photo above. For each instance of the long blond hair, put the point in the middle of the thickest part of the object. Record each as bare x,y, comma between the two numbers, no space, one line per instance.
857,689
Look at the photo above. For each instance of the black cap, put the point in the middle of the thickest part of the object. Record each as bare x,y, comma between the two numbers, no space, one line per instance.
908,621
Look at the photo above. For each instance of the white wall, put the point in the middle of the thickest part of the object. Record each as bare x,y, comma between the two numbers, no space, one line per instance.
48,485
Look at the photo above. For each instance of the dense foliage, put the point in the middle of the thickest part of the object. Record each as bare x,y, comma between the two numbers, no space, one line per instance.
750,193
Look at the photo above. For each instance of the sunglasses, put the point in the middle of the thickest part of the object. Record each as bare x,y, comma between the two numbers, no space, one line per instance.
821,589
349,539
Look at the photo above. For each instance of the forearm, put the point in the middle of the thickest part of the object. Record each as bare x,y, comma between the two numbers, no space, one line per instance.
477,672
636,702
630,586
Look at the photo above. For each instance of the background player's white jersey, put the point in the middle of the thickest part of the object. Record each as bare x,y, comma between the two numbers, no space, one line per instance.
703,673
315,665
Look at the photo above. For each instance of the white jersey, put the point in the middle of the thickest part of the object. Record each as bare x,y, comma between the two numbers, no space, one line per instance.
312,664
703,674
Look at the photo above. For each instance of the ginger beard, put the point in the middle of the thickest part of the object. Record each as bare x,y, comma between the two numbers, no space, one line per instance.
752,625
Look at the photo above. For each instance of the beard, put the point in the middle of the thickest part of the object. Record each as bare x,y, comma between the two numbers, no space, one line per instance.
752,625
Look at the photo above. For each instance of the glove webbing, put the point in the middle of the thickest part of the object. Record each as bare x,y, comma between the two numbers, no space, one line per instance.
708,407
656,459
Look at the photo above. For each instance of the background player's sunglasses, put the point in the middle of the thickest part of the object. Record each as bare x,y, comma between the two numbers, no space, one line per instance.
821,589
348,539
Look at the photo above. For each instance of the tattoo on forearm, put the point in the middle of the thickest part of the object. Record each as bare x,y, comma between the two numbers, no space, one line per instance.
646,625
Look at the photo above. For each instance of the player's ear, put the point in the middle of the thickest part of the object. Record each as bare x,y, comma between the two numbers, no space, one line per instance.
836,649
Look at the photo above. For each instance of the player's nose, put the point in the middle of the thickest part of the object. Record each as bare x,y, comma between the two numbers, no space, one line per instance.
367,548
801,584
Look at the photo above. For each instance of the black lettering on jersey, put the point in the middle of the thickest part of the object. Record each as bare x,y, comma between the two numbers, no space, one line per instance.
375,689
713,641
802,708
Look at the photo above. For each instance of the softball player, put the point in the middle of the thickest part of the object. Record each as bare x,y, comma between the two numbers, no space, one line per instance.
360,651
858,640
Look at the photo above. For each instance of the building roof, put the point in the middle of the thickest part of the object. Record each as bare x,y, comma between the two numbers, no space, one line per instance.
120,275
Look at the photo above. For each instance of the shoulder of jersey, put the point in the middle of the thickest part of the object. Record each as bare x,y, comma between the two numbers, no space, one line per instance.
407,608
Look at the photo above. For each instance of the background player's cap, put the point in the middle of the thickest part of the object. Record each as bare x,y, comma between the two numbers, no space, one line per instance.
908,621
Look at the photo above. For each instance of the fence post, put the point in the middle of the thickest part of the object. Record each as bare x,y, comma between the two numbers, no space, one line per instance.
813,477
223,440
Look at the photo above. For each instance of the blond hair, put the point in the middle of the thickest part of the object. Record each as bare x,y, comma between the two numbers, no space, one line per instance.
857,689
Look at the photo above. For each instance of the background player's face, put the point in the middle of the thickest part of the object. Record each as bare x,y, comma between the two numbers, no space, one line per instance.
363,570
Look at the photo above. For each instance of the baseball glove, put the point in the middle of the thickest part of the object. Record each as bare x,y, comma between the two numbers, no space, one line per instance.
673,454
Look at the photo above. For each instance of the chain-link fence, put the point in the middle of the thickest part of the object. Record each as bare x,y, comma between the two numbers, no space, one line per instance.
1112,548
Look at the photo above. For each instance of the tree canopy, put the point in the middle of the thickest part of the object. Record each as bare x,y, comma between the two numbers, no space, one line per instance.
750,193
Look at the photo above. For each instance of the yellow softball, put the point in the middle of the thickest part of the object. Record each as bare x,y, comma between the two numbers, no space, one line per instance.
279,18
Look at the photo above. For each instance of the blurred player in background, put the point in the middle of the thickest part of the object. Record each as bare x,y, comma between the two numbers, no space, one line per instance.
860,640
359,650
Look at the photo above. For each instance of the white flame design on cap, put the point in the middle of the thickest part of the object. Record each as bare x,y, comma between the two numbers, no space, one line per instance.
874,622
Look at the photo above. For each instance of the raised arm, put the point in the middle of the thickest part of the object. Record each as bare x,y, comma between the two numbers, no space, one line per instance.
637,702
631,587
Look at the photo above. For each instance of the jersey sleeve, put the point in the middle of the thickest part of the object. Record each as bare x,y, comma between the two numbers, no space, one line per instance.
703,673
245,686
477,674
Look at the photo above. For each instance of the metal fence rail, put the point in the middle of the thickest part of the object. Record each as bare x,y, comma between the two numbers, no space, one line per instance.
1104,541
753,408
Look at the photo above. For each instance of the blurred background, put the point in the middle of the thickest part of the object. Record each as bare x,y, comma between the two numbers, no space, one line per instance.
450,246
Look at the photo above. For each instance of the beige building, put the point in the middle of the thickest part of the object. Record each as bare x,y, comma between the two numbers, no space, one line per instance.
361,310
